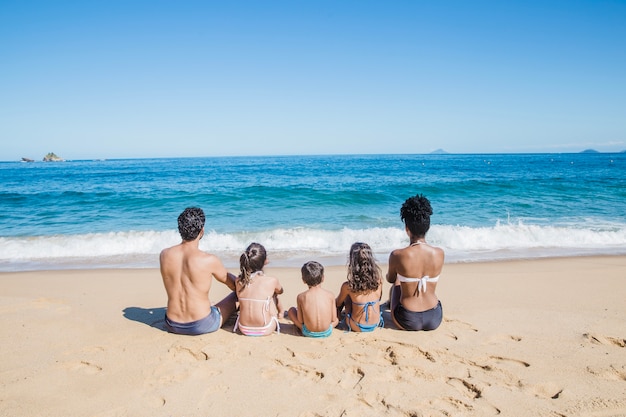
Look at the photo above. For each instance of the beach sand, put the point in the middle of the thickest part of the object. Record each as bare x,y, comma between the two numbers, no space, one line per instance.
533,337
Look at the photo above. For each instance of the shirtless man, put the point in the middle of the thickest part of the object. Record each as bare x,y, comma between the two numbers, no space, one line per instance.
186,272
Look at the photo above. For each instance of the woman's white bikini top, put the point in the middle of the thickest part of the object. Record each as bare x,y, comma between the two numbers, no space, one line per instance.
421,282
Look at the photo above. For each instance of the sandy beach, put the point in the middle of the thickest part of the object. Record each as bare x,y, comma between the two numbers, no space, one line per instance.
534,337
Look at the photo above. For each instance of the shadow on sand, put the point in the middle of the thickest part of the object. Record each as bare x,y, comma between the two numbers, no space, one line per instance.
153,317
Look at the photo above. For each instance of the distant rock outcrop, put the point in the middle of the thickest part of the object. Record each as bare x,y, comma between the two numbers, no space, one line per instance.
439,152
52,157
27,160
589,151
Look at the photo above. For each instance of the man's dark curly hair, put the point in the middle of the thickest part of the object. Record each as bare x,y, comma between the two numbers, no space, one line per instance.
190,223
364,275
415,213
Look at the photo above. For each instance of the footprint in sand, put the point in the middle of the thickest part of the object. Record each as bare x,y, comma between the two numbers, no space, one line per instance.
280,367
451,406
605,340
86,367
502,338
459,322
611,374
546,390
511,360
465,387
187,354
155,402
304,354
351,378
391,356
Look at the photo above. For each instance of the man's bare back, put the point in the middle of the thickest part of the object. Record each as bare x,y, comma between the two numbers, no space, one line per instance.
187,274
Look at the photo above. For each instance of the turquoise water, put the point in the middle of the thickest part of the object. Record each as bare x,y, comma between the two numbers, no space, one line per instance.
123,212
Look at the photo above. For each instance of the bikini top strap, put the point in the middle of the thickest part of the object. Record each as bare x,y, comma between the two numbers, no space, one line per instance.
423,282
366,307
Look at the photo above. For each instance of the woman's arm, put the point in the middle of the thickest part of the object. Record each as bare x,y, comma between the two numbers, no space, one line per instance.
392,271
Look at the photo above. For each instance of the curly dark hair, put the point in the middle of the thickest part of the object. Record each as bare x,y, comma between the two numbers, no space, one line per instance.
363,274
190,223
312,273
252,260
415,213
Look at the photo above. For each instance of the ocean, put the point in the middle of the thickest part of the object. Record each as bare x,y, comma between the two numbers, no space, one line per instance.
121,213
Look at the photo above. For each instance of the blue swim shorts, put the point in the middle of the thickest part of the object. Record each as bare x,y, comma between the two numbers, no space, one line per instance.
306,332
209,324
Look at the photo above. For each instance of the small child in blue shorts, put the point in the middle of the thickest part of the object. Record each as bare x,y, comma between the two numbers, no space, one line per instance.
315,314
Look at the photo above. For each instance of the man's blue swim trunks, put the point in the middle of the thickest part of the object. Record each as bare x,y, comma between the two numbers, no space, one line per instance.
208,324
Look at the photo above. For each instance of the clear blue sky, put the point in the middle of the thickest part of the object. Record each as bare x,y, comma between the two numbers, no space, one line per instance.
117,79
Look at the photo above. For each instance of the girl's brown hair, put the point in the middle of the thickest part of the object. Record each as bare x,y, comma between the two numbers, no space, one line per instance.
252,260
363,273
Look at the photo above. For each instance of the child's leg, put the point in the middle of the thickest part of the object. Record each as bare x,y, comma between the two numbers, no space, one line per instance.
293,316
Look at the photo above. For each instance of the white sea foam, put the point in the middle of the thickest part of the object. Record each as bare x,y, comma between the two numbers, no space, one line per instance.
291,247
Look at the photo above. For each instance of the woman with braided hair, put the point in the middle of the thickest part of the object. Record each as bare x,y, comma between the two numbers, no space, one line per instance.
414,271
259,307
360,294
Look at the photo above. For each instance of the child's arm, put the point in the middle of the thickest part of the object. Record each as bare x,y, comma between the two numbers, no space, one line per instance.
279,288
341,298
335,319
300,311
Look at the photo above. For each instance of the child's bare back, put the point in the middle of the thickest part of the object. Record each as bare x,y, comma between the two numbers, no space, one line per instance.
315,314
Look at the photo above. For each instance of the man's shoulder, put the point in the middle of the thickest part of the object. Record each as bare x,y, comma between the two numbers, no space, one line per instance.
170,252
209,260
166,250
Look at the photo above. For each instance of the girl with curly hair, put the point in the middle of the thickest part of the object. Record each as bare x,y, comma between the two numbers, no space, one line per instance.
414,271
360,294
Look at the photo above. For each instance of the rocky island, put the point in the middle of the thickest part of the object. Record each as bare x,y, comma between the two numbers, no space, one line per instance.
52,157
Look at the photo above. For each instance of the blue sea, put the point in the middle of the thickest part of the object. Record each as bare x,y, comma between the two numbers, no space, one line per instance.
121,213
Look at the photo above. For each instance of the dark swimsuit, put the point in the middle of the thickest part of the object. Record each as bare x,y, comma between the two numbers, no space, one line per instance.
208,324
419,320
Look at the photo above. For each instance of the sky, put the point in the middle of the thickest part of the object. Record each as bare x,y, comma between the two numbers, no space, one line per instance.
144,79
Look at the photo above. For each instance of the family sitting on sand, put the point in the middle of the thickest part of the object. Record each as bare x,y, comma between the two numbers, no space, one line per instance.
413,271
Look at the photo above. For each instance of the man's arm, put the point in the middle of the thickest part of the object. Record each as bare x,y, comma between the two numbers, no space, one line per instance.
230,282
221,274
